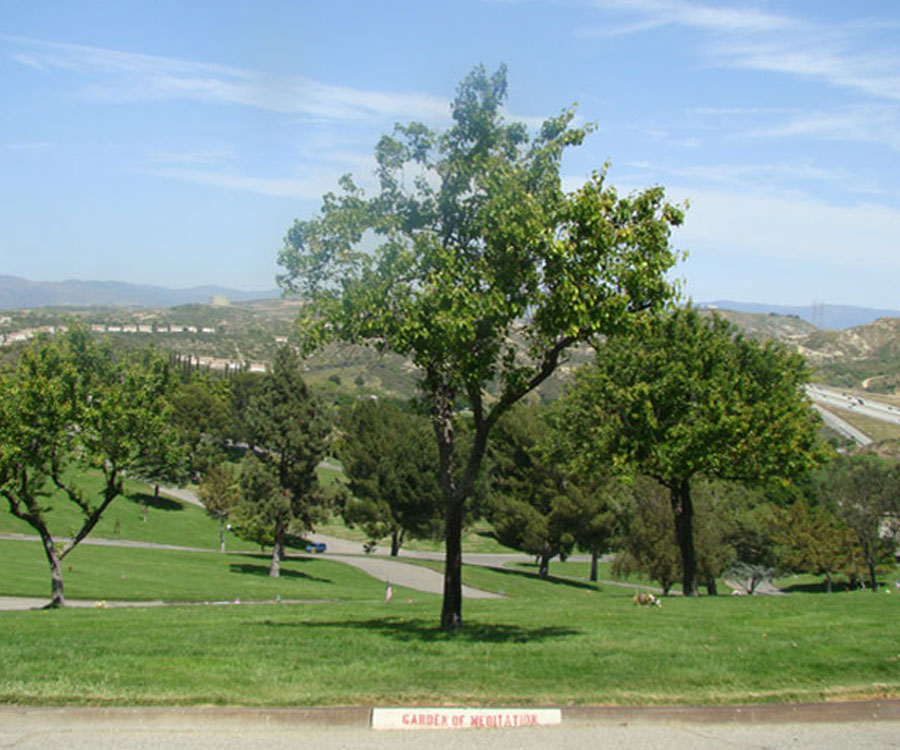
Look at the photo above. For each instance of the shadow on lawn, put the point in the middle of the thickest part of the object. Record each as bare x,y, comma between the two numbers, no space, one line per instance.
549,579
838,587
262,569
160,503
402,629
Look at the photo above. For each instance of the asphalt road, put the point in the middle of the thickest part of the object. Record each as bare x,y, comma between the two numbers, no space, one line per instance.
865,405
824,397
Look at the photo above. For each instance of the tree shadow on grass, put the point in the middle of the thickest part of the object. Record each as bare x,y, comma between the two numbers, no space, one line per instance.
549,579
838,587
406,630
159,503
262,569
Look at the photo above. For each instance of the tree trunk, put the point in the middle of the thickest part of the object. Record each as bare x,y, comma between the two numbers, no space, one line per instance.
221,533
683,509
442,421
395,542
544,569
277,551
275,565
57,590
595,556
711,588
451,611
828,584
873,581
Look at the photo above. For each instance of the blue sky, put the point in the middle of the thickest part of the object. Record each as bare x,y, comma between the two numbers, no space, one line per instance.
174,143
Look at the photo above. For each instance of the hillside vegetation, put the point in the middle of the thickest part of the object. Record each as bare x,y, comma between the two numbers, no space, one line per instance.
245,334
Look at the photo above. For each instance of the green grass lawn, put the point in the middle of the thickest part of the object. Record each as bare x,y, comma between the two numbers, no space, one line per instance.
134,574
477,538
138,516
168,521
562,641
549,642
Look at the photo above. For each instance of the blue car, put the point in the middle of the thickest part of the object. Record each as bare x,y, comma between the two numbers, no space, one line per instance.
317,547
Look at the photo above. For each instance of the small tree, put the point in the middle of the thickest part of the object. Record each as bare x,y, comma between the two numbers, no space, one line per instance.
484,271
390,461
219,493
263,510
647,543
533,504
70,403
863,491
586,510
201,414
688,396
291,432
813,540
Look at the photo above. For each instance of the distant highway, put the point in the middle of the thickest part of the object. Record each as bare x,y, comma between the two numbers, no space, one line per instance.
825,396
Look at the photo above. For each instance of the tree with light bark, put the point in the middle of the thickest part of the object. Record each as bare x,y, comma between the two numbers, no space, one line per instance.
219,492
71,405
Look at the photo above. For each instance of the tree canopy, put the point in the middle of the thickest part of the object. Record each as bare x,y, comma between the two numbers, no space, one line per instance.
291,433
470,260
390,461
685,396
863,492
72,402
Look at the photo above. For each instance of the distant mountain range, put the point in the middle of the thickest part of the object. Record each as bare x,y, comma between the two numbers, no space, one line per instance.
821,316
18,293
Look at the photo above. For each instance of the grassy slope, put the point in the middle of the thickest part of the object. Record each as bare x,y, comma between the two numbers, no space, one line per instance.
548,643
169,521
120,573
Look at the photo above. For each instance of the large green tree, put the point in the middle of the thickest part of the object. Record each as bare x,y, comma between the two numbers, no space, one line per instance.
291,430
472,262
391,463
686,396
71,405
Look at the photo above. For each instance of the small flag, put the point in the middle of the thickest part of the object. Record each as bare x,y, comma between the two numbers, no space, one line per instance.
388,592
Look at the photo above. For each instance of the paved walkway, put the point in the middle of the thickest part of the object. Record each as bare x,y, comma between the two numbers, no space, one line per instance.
825,726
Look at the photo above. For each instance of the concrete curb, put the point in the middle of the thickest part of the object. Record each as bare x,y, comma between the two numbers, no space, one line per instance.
885,709
877,710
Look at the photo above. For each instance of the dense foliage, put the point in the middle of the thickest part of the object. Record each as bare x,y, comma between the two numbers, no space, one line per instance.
70,402
477,247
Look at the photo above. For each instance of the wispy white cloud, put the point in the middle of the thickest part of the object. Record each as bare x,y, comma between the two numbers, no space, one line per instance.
789,227
875,73
282,187
869,124
309,181
749,174
29,146
115,75
656,13
205,156
745,37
